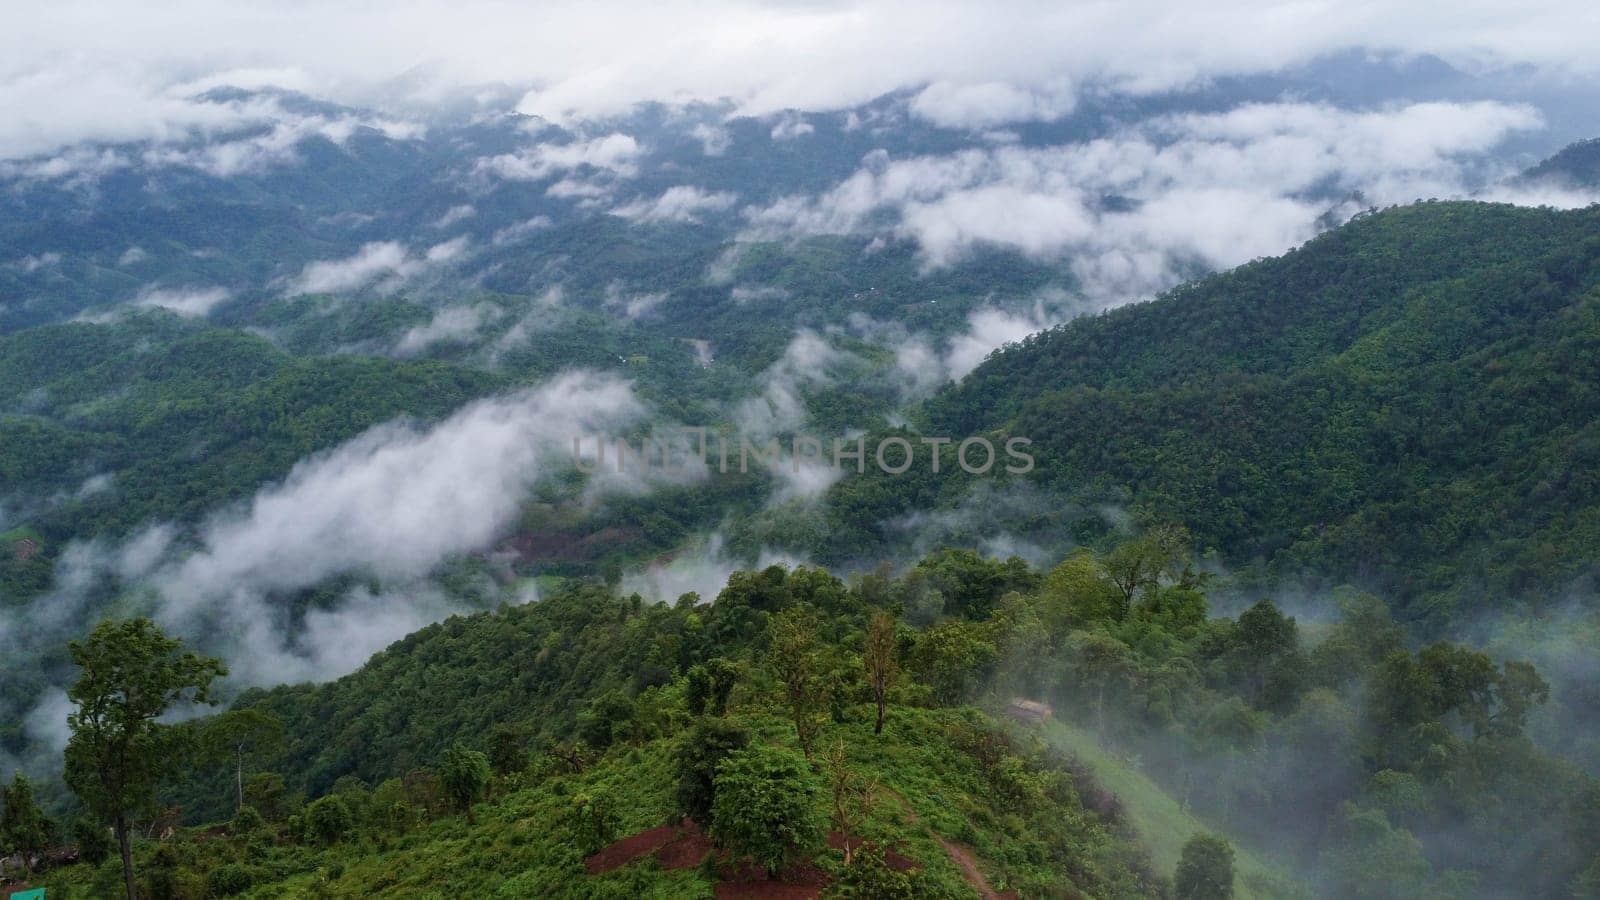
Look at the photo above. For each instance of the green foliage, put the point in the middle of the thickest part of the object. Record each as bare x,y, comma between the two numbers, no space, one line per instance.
795,660
709,685
869,877
1206,870
592,820
132,674
1388,400
328,820
701,750
227,880
463,773
768,806
24,829
247,821
507,749
95,844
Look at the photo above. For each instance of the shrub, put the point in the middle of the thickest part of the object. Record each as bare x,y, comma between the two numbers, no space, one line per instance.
328,820
593,821
1205,871
247,820
706,745
230,879
768,807
868,877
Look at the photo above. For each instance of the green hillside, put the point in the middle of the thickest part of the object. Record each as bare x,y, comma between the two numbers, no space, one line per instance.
592,719
1407,401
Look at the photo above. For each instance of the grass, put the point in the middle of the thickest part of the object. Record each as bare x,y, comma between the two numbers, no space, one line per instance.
1162,823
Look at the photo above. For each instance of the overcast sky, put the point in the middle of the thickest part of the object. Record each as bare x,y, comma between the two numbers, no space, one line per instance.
76,69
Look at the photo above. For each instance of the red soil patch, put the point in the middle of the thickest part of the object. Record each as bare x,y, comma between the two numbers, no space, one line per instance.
688,850
25,549
680,846
629,849
891,858
749,882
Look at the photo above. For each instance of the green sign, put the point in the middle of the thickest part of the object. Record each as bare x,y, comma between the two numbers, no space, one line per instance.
34,894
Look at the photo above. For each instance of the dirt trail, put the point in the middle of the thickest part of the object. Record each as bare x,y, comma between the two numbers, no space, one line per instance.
962,857
969,867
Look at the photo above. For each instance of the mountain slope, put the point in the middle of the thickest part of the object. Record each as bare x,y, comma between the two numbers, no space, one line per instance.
1409,400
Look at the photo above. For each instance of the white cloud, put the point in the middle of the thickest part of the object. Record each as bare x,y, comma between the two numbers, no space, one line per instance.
34,262
616,154
373,261
380,265
1192,191
807,361
458,213
398,499
703,570
791,126
188,302
92,69
990,103
713,140
454,323
683,203
511,234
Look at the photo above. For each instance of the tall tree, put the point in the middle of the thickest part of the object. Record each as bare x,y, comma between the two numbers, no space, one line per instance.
853,797
795,661
879,661
118,752
464,773
240,734
24,829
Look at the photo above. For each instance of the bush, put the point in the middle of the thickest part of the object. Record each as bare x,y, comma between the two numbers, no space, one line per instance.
247,820
328,820
464,773
95,844
706,745
868,877
1205,871
230,879
768,807
593,821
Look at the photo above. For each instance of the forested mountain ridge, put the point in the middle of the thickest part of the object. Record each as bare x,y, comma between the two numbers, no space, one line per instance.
517,752
1409,399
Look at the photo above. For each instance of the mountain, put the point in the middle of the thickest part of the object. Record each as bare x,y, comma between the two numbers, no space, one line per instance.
1575,166
1406,400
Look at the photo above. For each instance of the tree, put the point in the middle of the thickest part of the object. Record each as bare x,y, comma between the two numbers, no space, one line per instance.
795,661
463,772
238,734
953,654
328,819
24,829
507,751
853,797
1205,870
593,820
1140,563
1078,592
767,807
709,685
878,659
118,752
1100,661
702,749
93,840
